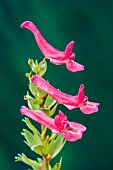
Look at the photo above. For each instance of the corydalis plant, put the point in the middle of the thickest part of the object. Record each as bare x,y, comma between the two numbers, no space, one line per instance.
43,99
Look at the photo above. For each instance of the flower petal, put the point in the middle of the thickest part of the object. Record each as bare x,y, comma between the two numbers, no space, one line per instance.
74,66
57,62
70,107
81,93
89,107
59,119
68,50
74,132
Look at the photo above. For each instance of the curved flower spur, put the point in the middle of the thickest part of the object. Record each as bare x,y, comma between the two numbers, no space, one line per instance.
71,131
71,102
56,57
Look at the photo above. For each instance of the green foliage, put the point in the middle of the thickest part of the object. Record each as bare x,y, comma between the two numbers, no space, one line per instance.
40,68
35,91
39,142
49,102
22,157
56,145
33,141
31,126
58,165
38,164
48,147
34,104
33,65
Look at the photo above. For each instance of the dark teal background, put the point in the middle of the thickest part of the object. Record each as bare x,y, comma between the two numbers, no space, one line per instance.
90,24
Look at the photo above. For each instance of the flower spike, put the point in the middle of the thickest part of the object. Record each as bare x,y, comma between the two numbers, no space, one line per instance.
56,57
71,102
70,130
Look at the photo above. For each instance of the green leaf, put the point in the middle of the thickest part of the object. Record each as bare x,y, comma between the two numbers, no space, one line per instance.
38,149
46,147
49,102
33,65
34,90
56,145
33,141
30,126
33,104
42,68
42,93
22,157
58,165
50,167
46,111
53,110
38,99
40,160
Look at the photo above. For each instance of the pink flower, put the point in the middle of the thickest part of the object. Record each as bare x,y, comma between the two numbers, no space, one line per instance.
71,102
70,130
56,57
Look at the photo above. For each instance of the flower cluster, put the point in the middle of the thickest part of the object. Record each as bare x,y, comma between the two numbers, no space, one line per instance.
46,97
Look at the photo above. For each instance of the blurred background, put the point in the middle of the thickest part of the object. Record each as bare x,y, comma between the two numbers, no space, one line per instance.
90,25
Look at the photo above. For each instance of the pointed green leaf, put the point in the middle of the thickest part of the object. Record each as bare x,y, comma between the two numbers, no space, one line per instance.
38,149
58,165
38,99
46,147
42,94
42,164
56,145
53,136
30,126
33,65
46,111
22,157
50,167
32,105
53,110
49,102
34,90
42,68
40,160
32,139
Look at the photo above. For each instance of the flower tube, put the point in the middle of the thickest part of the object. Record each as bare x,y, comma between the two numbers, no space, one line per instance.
56,57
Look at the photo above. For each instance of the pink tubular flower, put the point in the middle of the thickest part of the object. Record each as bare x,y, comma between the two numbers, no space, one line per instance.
56,57
71,102
70,130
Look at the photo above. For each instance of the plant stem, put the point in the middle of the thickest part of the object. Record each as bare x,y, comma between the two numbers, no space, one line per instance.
47,160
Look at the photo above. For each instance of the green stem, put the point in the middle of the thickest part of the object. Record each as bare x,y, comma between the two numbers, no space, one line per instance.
43,135
47,160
